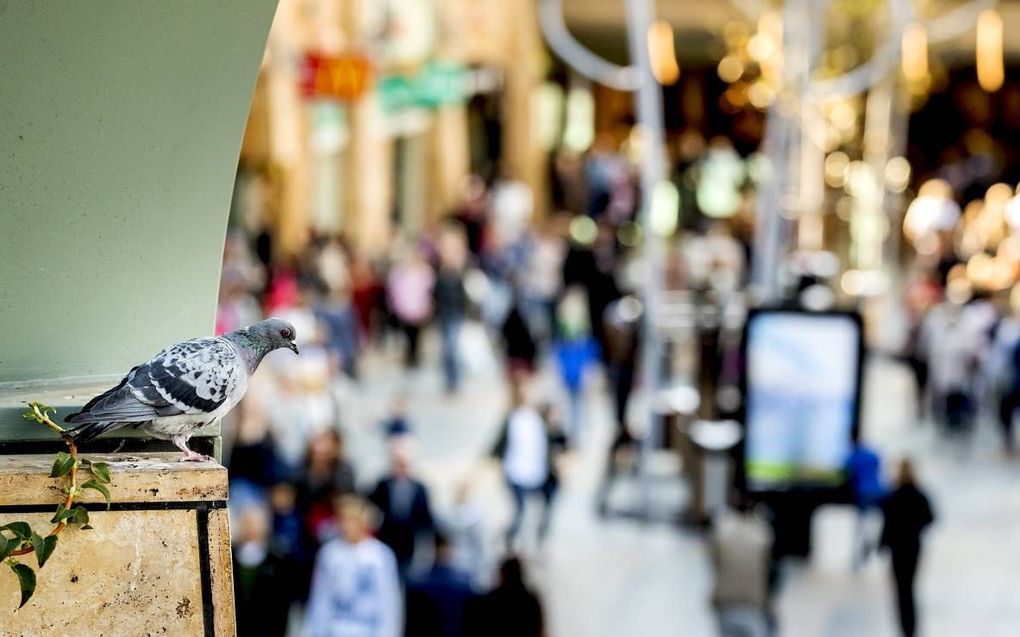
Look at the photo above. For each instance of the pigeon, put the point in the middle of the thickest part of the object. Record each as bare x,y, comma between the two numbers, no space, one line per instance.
184,387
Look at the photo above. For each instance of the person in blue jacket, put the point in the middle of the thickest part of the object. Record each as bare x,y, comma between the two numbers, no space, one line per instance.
864,473
575,350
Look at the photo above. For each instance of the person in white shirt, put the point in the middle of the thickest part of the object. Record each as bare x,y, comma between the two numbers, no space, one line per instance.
527,445
355,588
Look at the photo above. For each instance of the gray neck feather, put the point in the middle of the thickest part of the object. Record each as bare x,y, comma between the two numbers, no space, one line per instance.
252,349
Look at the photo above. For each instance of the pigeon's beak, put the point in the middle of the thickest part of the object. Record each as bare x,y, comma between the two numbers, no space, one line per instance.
293,347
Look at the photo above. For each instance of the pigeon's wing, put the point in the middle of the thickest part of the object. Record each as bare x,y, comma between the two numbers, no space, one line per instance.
193,377
117,404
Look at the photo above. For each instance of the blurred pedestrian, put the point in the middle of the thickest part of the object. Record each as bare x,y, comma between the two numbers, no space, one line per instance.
451,300
366,295
741,549
438,601
1006,360
254,463
595,268
287,532
509,610
409,294
527,446
396,426
907,513
467,536
576,352
542,278
262,578
518,341
864,472
355,588
952,347
622,338
237,307
336,313
324,475
403,502
472,212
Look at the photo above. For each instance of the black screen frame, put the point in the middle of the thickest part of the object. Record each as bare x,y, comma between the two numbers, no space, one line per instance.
818,493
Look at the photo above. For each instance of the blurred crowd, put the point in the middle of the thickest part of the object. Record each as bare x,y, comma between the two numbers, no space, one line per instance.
964,340
321,551
322,548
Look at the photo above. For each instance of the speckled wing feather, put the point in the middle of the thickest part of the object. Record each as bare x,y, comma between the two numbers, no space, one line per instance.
191,378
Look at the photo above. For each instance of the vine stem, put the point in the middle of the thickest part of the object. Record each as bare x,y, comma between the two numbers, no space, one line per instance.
72,449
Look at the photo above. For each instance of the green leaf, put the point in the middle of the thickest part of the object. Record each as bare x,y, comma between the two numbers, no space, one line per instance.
101,471
92,484
21,529
26,577
6,547
79,515
62,465
60,514
43,547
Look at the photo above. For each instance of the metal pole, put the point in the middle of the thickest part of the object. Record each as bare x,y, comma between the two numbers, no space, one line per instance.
648,106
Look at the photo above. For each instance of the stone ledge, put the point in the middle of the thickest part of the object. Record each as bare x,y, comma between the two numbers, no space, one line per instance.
146,477
67,399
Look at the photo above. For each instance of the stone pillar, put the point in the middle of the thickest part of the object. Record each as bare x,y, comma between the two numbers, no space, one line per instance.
524,66
449,158
370,177
158,560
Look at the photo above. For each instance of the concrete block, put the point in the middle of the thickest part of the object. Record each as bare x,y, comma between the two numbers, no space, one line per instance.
157,563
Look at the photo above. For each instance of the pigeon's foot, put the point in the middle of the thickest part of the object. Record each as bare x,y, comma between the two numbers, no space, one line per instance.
194,456
181,443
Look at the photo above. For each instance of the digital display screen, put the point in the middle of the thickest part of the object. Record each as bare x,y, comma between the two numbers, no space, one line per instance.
802,392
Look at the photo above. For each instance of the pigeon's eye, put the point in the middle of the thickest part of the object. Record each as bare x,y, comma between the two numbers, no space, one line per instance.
285,333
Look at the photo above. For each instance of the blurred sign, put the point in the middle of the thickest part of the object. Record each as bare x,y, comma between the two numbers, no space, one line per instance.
435,85
803,395
341,77
401,32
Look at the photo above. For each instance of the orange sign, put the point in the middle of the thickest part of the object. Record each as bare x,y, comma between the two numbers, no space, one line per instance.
342,77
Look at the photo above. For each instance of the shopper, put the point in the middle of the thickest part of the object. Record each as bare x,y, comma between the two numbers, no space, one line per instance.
527,446
325,474
907,513
451,300
409,294
263,589
467,535
622,339
355,587
1006,352
542,277
403,502
521,350
336,313
576,352
952,347
864,472
509,610
438,602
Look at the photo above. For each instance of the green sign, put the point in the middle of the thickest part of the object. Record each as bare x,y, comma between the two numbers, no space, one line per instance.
435,85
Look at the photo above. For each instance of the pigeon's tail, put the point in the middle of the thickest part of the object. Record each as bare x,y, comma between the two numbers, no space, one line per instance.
91,430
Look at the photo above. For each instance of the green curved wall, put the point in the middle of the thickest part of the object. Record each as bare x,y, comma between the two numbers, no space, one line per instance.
120,126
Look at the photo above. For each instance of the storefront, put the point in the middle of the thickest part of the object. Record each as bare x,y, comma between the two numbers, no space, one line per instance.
364,123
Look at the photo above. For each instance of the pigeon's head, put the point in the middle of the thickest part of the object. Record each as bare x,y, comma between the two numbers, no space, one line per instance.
274,332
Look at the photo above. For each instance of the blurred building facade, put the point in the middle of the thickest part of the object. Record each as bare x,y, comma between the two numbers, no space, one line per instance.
368,114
